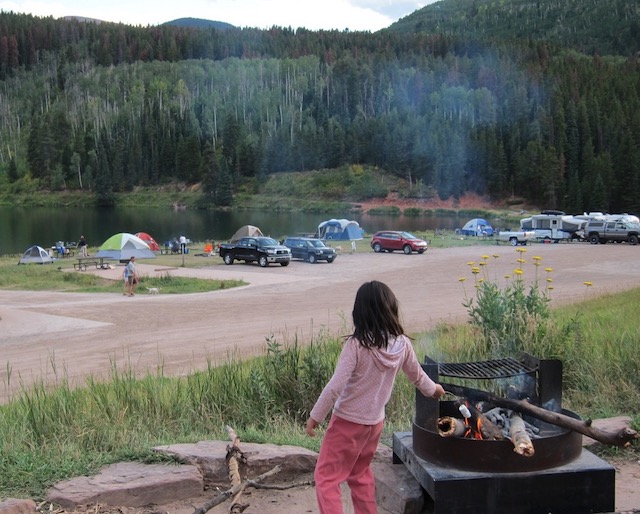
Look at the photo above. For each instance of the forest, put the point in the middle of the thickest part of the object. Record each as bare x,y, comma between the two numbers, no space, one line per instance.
105,108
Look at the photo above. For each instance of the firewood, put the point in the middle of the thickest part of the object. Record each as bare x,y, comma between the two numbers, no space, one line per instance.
623,437
488,428
519,437
449,426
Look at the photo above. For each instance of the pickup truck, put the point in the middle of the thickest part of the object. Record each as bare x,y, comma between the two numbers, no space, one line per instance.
516,237
600,231
263,250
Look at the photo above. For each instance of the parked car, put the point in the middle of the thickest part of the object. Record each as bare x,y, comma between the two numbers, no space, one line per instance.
390,240
263,250
309,249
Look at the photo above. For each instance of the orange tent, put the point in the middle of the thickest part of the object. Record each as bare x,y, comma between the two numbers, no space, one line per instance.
153,246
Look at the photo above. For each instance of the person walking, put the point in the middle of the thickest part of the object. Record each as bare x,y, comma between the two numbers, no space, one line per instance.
130,277
358,391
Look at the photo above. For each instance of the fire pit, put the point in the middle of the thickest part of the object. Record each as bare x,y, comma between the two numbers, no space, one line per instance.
466,475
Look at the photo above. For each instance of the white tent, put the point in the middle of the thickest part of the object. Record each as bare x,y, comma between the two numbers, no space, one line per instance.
36,255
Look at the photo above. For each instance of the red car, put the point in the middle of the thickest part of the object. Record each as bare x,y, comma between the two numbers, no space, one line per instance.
390,240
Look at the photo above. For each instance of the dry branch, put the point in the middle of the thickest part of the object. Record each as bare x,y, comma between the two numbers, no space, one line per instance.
623,437
235,490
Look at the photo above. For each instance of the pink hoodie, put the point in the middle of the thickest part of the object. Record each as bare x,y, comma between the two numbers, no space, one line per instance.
363,380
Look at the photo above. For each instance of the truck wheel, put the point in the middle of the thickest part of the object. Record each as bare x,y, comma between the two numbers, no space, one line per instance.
633,240
263,261
406,249
312,258
377,248
513,241
594,239
228,259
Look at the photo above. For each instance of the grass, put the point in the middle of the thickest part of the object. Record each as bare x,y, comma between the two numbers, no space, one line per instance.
61,277
51,434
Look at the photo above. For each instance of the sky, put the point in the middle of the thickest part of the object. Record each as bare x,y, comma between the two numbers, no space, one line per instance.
354,15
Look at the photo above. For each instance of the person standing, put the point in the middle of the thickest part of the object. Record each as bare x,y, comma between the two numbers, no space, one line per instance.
82,247
358,391
183,244
131,276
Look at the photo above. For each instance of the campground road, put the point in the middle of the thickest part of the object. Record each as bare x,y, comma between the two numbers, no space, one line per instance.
45,337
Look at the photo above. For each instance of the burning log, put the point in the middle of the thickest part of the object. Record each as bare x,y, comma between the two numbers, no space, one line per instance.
623,437
449,426
519,437
488,428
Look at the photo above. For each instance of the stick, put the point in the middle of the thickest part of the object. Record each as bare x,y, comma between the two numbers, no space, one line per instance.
623,437
488,428
234,490
519,437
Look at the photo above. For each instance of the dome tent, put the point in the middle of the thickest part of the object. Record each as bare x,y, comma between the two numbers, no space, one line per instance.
339,230
36,255
477,227
246,231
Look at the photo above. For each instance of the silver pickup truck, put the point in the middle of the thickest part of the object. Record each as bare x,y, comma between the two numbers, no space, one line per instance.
516,237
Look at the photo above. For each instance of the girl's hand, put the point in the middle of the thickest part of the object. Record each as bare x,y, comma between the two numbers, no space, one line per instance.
311,426
439,391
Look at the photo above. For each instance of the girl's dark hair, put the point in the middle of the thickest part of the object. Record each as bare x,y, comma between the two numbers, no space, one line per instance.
375,315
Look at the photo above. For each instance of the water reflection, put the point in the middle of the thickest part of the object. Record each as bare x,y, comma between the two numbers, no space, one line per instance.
23,227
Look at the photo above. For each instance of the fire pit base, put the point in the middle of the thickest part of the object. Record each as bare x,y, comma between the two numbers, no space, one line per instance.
585,485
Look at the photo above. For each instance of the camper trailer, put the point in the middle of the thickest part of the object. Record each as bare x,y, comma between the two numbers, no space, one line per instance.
554,226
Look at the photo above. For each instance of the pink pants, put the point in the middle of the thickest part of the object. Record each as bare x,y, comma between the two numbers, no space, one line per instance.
345,454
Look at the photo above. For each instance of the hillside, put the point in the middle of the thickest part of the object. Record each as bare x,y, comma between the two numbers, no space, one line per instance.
605,28
473,109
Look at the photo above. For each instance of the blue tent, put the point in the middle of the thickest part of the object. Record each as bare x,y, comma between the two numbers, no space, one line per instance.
339,230
477,227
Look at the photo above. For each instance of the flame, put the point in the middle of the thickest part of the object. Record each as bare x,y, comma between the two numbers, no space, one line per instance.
474,427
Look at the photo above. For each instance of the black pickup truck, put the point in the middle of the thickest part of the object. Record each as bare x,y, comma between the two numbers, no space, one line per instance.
263,250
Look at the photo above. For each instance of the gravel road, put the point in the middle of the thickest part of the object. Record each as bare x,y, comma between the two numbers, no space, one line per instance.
47,335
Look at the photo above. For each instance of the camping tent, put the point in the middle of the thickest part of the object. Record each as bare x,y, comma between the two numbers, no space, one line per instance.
123,246
339,229
36,255
151,242
477,227
246,231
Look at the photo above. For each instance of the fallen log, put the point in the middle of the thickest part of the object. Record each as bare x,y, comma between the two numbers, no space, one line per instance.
623,437
449,426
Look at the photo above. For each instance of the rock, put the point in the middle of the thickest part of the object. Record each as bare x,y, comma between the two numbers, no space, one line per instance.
13,506
209,456
130,484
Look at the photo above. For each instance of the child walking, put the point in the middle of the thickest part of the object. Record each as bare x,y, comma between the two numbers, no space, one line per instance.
358,391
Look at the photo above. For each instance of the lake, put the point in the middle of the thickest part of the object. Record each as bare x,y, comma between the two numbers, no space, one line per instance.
23,227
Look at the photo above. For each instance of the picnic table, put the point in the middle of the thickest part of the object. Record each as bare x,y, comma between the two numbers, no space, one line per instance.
83,262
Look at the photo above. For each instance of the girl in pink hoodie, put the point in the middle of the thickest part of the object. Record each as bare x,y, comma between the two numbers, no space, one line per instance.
358,391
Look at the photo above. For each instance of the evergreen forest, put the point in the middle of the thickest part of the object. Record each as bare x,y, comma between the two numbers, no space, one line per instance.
542,106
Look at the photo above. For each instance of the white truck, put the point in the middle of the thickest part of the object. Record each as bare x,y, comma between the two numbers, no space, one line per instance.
516,237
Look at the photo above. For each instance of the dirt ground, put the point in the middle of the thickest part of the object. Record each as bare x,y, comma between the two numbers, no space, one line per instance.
45,336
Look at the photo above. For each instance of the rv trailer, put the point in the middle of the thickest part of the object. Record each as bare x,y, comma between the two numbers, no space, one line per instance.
554,226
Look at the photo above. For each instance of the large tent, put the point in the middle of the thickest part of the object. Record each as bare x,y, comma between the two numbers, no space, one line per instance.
246,231
477,227
123,246
151,242
339,229
36,255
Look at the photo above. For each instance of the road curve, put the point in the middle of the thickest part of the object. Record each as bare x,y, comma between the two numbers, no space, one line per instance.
45,337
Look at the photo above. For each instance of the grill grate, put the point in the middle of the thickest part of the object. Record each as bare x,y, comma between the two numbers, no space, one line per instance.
491,369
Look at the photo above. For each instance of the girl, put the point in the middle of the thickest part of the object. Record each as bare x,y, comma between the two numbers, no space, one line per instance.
358,391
